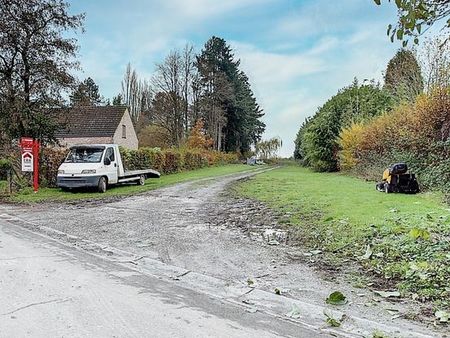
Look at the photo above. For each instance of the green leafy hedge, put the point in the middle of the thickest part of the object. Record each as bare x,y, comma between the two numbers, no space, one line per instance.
416,133
174,160
49,161
5,166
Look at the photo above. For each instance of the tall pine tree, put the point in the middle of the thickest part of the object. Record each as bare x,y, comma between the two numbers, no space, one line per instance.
227,104
86,94
403,77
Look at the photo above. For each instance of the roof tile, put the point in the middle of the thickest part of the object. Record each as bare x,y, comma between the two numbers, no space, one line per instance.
91,121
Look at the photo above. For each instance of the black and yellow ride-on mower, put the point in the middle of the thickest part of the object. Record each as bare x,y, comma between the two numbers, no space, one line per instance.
396,179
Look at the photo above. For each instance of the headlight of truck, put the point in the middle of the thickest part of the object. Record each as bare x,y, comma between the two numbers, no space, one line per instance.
60,172
89,171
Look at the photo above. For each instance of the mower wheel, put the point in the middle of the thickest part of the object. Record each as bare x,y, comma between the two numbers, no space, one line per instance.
387,188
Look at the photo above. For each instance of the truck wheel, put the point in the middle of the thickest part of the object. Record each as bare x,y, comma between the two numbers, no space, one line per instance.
141,180
102,184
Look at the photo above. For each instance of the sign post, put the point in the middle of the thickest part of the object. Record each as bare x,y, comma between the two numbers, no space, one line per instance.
36,165
30,158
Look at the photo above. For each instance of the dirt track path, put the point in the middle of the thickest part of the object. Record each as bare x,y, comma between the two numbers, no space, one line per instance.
183,225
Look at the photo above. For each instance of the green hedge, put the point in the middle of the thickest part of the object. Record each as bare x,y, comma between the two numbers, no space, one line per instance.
194,160
49,161
5,166
174,160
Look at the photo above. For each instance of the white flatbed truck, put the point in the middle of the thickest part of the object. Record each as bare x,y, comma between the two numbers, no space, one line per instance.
98,165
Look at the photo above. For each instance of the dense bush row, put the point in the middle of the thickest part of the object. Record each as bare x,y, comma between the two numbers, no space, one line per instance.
316,143
49,161
416,133
172,160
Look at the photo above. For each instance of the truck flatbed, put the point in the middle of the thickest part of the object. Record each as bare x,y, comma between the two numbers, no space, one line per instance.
149,173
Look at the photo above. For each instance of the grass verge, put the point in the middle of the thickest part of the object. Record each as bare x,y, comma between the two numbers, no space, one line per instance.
55,194
404,239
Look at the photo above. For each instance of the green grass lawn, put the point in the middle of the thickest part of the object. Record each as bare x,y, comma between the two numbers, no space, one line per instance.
55,194
404,239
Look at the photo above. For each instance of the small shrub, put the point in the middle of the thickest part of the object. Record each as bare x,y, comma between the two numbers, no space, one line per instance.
173,161
198,139
5,166
193,160
49,162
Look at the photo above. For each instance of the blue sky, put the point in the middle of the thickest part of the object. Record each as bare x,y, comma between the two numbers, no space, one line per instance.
297,53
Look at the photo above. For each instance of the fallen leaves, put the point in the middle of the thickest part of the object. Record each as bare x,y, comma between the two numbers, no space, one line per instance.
336,298
334,320
442,316
417,233
368,253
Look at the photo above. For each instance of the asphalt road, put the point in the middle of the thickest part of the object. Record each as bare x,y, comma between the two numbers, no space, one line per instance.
49,289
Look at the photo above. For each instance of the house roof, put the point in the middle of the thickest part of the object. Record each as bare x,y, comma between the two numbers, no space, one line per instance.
91,121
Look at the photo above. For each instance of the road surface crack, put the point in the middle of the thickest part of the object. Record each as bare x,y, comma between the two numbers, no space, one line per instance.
59,300
177,277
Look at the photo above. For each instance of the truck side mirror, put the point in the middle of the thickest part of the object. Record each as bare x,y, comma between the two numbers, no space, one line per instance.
107,161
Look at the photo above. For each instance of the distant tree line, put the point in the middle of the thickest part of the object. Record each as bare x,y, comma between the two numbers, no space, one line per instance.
187,87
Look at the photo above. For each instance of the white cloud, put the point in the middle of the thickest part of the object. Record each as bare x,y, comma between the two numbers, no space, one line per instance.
201,9
271,68
276,80
324,45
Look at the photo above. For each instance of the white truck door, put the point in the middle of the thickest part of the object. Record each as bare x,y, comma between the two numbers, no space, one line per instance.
110,164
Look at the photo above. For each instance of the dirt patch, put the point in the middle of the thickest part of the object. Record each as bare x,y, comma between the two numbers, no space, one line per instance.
253,218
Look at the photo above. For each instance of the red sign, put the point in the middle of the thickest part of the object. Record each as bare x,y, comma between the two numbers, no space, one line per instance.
26,144
30,158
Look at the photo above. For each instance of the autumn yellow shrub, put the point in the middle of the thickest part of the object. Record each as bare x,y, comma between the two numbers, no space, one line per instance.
349,141
198,138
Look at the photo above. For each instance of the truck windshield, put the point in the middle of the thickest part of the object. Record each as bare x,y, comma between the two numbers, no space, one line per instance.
84,155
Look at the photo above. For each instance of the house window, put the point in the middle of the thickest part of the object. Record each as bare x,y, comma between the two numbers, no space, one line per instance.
124,131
